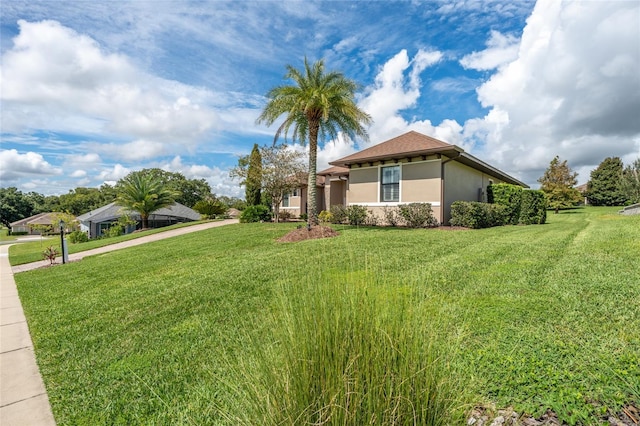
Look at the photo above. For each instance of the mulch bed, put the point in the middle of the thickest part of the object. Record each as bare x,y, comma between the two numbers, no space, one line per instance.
303,233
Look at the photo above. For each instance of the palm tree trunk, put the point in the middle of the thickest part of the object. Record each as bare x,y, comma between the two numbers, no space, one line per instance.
145,221
311,189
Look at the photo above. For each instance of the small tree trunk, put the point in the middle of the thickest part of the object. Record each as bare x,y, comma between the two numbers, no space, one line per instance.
145,221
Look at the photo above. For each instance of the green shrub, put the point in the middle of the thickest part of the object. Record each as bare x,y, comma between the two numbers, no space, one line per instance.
304,216
356,215
325,217
391,216
78,237
418,215
534,208
17,233
509,196
473,214
257,213
371,219
284,215
339,213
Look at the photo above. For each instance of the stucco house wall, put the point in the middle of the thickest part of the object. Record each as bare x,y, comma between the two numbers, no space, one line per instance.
463,183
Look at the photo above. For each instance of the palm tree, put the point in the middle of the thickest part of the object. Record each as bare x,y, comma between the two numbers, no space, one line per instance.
144,194
318,104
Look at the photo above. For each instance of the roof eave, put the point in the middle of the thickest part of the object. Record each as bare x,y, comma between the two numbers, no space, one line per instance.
453,150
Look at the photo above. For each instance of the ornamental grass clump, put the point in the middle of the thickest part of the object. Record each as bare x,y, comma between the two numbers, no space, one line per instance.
351,350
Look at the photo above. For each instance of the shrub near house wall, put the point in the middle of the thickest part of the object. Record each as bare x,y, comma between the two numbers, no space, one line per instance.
257,213
418,215
509,196
473,214
533,210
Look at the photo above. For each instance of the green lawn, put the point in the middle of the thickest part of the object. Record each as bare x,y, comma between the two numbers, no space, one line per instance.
32,251
534,317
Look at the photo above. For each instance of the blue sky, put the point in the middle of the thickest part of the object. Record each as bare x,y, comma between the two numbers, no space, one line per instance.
94,90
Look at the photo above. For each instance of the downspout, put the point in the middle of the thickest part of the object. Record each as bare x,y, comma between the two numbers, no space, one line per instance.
442,204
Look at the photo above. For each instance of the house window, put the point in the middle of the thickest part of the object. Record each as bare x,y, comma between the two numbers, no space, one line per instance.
390,184
285,199
294,193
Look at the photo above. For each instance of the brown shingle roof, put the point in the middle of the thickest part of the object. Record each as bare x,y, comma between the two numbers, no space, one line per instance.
335,170
411,143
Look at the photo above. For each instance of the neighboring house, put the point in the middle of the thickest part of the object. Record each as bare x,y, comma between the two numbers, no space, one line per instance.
411,168
37,224
99,220
295,202
583,191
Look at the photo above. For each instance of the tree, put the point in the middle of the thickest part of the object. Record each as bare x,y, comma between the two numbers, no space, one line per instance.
605,186
81,200
189,191
14,205
318,105
558,184
211,207
253,181
631,182
143,193
282,171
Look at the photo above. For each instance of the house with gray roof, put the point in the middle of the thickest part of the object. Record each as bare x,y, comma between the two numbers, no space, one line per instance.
97,221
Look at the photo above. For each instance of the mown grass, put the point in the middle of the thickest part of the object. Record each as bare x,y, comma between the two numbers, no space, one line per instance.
535,317
32,251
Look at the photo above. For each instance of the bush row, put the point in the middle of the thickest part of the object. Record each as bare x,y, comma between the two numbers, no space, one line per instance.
414,215
508,205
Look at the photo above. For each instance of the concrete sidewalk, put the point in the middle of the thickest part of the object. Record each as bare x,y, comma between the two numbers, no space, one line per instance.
23,398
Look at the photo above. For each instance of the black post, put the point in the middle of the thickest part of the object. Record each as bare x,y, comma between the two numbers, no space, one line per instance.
62,241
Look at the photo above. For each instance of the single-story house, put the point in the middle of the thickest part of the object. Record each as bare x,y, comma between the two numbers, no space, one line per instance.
97,221
37,224
410,168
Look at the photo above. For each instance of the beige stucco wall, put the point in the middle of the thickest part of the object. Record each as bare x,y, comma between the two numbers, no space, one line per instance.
463,183
420,182
363,185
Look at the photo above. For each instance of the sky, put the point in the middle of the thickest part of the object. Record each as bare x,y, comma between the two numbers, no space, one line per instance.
92,90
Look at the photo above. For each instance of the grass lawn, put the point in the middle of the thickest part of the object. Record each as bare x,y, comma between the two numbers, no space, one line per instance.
535,317
32,251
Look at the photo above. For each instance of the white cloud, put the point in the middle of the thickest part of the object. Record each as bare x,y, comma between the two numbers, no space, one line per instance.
57,79
397,87
501,50
14,165
573,91
113,174
78,174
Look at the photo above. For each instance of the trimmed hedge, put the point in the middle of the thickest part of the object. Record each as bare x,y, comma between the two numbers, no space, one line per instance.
474,214
533,210
509,196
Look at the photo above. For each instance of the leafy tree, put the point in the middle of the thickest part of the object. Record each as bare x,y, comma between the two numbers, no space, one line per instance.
189,191
14,205
282,171
232,202
144,193
253,180
605,186
631,182
211,207
558,184
81,200
318,104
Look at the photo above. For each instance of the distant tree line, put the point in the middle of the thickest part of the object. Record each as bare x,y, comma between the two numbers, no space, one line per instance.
16,205
610,184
